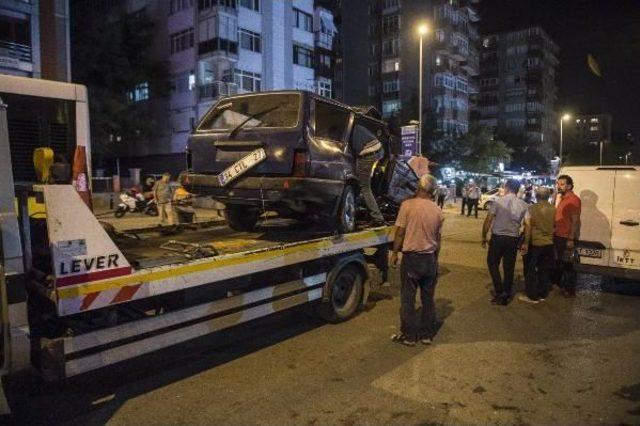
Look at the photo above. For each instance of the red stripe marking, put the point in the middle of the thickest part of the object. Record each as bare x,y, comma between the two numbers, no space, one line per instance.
92,276
125,294
88,300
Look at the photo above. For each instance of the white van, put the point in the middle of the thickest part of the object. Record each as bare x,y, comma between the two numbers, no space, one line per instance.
610,220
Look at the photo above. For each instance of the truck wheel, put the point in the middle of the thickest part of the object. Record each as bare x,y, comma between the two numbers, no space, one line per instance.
345,295
241,218
347,211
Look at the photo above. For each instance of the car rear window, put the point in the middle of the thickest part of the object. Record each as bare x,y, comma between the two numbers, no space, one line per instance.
330,121
268,110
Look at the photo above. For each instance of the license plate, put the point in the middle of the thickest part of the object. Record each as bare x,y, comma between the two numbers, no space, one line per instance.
241,166
590,252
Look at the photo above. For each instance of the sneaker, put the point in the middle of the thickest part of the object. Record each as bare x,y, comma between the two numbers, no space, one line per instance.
524,298
402,339
426,341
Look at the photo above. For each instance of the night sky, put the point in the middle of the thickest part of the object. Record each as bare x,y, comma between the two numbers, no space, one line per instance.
607,29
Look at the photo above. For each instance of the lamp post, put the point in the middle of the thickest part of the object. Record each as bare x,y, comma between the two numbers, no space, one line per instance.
563,118
423,29
626,157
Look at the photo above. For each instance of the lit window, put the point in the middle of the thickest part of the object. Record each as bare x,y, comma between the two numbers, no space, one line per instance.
139,93
594,120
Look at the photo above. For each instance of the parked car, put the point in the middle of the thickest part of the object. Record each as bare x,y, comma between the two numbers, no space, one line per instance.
490,197
284,151
609,242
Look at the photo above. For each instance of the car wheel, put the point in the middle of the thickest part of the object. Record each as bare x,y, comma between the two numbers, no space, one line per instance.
487,205
241,218
347,212
120,211
346,294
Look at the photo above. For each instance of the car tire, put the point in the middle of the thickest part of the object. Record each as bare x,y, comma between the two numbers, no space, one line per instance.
346,220
487,205
241,218
345,296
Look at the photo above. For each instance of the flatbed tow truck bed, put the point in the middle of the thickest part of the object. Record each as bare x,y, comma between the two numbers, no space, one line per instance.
108,297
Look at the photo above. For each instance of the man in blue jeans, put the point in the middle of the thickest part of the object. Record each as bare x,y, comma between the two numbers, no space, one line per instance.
418,228
505,219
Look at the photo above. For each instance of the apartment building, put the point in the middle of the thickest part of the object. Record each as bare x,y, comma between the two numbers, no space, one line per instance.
217,48
517,86
379,47
34,39
589,129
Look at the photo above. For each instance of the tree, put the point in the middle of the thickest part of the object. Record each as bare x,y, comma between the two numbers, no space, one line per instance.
113,60
475,151
525,153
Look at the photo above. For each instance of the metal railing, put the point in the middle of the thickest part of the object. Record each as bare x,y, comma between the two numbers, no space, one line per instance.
15,50
217,89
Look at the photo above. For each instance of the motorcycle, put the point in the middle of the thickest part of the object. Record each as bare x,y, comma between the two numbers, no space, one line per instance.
132,201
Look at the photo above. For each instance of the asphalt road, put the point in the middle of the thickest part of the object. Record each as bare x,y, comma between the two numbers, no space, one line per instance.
565,361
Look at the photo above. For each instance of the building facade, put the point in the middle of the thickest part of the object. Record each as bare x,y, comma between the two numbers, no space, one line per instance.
517,86
217,48
34,39
590,129
379,47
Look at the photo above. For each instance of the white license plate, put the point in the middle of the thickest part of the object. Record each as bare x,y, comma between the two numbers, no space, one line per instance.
590,252
241,166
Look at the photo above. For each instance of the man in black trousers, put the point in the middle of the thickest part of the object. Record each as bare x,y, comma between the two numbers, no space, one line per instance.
417,234
505,219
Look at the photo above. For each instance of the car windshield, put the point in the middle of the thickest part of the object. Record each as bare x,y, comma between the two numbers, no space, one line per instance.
269,110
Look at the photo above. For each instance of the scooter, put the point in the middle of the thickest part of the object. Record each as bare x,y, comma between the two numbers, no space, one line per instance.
132,201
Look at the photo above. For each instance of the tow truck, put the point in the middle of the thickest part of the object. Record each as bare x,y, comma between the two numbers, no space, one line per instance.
78,295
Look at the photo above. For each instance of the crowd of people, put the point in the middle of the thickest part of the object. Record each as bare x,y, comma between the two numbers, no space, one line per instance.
544,233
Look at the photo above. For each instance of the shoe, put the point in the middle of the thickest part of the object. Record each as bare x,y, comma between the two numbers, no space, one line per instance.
542,299
426,341
524,298
402,339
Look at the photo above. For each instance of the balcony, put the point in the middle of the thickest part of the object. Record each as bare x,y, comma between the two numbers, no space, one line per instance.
218,45
471,64
323,40
473,32
227,6
459,53
15,51
216,90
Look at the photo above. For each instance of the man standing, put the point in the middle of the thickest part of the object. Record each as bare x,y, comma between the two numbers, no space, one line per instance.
473,198
566,233
162,194
417,234
368,150
538,247
465,194
505,218
442,195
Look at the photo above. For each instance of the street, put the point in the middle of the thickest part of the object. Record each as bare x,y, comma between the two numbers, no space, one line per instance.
559,362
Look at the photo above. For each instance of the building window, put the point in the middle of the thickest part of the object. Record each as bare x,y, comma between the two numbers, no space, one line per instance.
461,85
250,40
302,56
391,47
303,20
391,86
390,24
324,88
390,107
178,5
391,3
324,60
594,120
248,81
251,4
139,93
373,90
182,40
184,82
208,4
448,81
391,65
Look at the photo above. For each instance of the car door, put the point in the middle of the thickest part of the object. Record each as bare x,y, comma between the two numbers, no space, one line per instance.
625,223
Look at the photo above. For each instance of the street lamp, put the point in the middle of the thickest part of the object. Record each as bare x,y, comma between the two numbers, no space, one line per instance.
423,29
564,117
626,157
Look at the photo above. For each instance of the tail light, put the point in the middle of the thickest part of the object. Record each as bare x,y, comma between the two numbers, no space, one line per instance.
300,164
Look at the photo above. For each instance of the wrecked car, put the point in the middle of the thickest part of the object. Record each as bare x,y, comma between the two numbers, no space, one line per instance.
288,152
